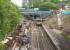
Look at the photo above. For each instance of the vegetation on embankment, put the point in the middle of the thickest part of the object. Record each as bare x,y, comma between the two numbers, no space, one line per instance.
42,4
9,18
2,46
66,26
48,5
52,22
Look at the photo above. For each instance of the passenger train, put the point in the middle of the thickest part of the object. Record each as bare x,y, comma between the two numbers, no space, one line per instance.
39,21
36,18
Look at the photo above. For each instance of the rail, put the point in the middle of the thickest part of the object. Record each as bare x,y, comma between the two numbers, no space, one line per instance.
54,40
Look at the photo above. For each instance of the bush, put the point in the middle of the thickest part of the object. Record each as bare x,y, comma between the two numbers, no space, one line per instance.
1,47
9,17
66,34
55,1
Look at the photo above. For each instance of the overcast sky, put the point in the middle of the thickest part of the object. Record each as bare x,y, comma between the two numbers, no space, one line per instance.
17,2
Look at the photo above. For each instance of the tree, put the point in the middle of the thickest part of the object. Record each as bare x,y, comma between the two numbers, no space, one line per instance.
32,3
55,1
5,25
68,1
36,3
9,17
25,4
48,5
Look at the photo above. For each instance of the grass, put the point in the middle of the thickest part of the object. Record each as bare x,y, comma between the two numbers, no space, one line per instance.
1,47
52,22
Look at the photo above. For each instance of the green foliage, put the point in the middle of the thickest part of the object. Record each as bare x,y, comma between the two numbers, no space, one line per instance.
68,1
9,17
1,47
33,3
36,3
48,5
66,26
14,15
4,23
66,34
55,1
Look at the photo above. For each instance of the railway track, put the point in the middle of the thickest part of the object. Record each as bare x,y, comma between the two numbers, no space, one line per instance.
47,43
39,40
43,41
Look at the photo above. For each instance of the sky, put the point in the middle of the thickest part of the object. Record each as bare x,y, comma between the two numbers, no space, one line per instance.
17,2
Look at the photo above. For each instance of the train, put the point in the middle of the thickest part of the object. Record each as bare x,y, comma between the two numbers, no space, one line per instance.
39,21
36,18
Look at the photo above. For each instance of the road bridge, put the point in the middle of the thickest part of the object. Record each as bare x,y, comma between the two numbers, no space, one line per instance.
31,13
